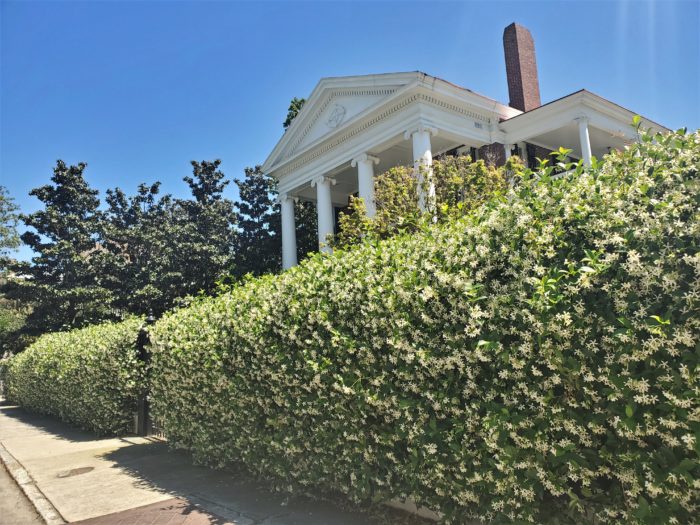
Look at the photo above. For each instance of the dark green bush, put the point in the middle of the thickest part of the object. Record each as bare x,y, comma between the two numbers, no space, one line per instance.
90,377
536,361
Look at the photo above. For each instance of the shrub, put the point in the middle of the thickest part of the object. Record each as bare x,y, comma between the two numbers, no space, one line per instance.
535,361
460,186
12,319
4,364
90,377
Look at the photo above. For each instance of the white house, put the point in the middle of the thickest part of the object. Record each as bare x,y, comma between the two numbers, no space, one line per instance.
350,127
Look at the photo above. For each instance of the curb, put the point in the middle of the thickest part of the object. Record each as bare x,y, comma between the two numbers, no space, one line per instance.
43,506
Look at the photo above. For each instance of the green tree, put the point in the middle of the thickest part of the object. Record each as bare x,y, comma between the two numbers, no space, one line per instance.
259,244
206,233
306,221
258,216
159,250
9,240
61,282
294,108
12,313
138,264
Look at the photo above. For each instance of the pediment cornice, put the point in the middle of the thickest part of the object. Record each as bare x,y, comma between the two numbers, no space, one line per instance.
325,92
343,135
329,97
299,146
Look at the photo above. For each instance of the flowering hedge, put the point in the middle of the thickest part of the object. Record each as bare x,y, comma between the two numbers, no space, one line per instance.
536,361
90,377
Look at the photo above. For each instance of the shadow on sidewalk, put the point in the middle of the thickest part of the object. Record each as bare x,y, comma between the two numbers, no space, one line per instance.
229,493
47,424
172,511
233,493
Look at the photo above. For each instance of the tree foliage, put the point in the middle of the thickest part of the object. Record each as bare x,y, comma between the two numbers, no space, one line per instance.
206,230
138,263
159,249
13,315
143,253
61,282
12,312
258,213
258,216
306,222
9,239
294,108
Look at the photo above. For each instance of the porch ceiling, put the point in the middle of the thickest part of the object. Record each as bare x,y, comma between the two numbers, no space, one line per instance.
602,141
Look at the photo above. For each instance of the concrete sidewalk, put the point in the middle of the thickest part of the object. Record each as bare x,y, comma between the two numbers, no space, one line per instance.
138,480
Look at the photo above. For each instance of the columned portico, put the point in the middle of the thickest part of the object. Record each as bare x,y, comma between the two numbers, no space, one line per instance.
585,140
324,210
397,116
423,162
365,179
289,235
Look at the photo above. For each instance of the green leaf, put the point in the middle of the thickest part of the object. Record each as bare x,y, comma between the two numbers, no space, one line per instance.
643,510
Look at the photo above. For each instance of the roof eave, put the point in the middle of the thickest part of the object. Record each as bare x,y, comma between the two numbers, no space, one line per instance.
584,97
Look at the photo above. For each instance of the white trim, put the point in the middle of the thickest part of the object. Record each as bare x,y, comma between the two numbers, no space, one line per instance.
412,110
432,89
364,157
316,98
322,179
602,114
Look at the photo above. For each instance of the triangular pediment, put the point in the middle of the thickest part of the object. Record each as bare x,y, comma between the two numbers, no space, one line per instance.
334,103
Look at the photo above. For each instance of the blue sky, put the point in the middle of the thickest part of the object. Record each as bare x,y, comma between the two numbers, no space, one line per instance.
138,89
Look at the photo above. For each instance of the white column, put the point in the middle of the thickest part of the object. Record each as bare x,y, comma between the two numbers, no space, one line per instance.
324,210
289,233
585,140
423,161
522,149
365,180
508,148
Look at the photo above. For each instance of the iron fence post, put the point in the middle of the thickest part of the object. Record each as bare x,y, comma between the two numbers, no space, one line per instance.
144,355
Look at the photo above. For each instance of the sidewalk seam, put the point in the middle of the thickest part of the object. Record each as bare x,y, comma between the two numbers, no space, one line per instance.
21,476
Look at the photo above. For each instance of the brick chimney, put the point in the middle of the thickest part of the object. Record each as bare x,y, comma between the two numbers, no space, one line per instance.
521,68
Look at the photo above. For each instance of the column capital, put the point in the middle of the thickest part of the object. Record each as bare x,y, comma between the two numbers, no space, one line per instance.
364,157
582,118
286,196
321,179
420,129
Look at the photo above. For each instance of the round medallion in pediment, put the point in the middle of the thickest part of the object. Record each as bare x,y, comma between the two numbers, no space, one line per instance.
336,117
